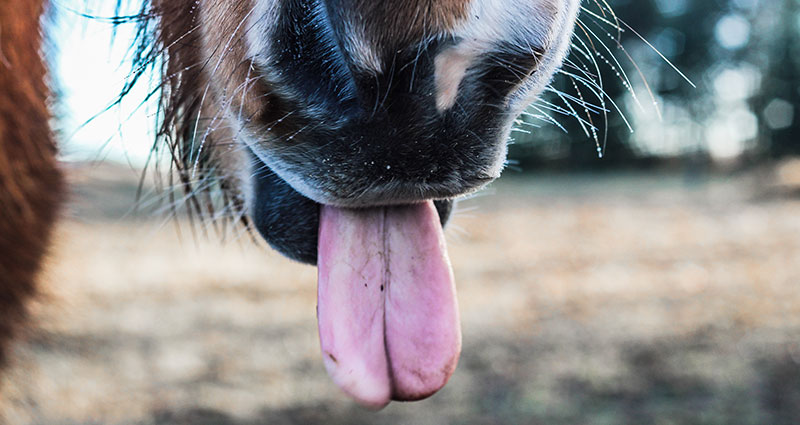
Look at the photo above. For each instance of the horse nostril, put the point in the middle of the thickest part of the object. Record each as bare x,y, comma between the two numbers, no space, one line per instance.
499,67
508,66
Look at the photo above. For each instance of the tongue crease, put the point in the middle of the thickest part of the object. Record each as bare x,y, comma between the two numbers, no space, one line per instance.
385,282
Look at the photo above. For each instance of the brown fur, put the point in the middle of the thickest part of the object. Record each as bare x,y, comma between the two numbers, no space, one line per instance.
394,23
30,181
170,36
225,47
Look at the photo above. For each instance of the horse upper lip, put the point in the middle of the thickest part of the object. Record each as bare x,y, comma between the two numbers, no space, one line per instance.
408,193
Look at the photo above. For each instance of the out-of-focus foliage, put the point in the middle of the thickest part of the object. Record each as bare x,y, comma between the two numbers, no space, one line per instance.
743,56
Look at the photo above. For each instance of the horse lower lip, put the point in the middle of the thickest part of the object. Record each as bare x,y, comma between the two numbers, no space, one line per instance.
289,221
388,316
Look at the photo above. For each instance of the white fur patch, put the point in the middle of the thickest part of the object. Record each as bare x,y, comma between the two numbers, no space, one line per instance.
265,14
451,66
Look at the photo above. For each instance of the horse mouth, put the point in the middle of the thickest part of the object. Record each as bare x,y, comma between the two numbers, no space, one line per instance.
387,310
362,190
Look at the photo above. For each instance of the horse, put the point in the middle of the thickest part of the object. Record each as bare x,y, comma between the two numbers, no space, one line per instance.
342,131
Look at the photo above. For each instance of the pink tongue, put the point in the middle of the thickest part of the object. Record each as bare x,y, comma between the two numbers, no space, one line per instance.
387,311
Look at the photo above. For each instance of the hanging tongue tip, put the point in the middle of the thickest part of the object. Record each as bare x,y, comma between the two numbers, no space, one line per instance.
387,310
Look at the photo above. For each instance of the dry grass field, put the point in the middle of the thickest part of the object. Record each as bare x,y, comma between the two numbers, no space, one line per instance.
624,299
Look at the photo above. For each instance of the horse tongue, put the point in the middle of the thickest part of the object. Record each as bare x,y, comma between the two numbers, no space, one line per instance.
387,311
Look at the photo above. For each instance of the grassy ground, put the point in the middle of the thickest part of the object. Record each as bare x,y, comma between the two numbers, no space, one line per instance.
585,300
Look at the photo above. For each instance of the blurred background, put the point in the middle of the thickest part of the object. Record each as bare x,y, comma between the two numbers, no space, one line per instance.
639,262
720,93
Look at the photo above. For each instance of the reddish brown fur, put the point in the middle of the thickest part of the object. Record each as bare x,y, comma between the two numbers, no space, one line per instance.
30,181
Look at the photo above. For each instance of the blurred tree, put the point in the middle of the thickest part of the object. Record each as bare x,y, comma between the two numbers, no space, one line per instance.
775,49
744,56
